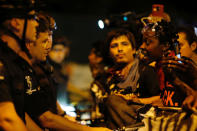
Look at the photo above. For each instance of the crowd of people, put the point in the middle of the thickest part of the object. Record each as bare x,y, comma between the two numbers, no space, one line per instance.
131,79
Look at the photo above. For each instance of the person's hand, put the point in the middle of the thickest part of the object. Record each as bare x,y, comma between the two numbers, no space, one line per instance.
185,66
170,64
71,118
158,103
190,102
127,96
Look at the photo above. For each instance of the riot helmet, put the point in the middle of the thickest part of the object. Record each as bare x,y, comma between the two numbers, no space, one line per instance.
22,9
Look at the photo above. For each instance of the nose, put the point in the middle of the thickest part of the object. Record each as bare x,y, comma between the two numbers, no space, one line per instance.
143,46
120,48
36,23
49,44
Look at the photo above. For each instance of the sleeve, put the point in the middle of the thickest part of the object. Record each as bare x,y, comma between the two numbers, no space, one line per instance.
4,86
150,82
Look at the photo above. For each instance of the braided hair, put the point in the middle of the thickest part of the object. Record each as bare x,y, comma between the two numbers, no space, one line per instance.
165,31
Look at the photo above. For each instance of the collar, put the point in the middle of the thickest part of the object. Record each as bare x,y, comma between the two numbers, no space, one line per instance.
8,54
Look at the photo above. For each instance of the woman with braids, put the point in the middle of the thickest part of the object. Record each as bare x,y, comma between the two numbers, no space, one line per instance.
176,84
158,42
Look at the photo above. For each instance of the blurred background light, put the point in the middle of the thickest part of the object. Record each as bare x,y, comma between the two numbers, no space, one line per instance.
101,24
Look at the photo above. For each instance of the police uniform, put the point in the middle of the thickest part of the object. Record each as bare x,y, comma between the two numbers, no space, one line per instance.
40,95
21,85
12,79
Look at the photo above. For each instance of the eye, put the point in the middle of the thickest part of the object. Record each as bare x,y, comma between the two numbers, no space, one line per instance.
56,50
143,40
125,43
148,41
113,45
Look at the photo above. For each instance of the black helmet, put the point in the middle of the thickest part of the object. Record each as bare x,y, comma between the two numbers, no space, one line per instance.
16,9
24,9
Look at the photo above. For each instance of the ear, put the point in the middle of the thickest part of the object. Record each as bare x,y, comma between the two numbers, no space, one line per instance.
29,45
193,46
15,23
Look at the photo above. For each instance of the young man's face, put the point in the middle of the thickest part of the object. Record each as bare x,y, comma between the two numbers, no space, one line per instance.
41,48
58,53
185,48
152,46
121,50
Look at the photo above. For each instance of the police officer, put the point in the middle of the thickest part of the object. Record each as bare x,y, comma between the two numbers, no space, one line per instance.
40,92
17,25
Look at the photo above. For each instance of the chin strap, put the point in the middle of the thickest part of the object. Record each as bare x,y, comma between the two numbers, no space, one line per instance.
23,41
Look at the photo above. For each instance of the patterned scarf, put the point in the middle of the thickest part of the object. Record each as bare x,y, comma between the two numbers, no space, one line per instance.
132,78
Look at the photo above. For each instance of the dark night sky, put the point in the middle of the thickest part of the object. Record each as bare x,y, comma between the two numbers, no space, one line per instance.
77,19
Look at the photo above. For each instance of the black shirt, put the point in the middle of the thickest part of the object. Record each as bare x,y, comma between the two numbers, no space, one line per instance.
12,78
147,83
20,84
40,94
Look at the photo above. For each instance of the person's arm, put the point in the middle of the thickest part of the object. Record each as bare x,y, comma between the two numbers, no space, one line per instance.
190,102
9,120
53,121
154,100
30,124
61,112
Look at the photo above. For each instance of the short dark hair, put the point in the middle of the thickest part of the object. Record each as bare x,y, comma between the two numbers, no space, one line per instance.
98,46
189,32
46,22
115,33
62,40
